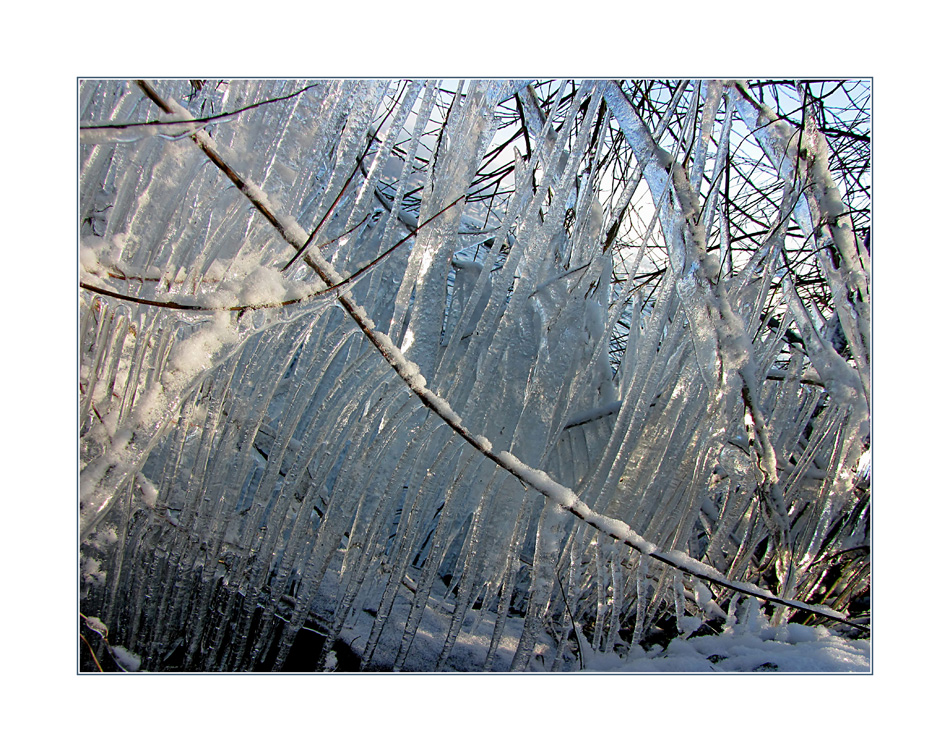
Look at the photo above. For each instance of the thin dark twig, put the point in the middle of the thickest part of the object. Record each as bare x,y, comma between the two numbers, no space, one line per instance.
92,653
326,216
192,121
329,211
135,299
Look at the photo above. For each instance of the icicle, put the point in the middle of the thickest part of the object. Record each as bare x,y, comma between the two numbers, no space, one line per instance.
471,558
547,544
616,596
434,559
601,575
512,566
642,597
679,601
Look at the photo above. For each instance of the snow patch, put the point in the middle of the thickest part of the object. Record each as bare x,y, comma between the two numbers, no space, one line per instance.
128,660
263,286
794,648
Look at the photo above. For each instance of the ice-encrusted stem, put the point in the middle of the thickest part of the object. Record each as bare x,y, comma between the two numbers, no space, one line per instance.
821,213
409,373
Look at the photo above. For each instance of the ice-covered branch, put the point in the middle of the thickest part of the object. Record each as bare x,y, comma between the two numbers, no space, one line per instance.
822,214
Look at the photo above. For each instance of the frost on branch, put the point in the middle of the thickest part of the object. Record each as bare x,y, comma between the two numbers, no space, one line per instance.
521,406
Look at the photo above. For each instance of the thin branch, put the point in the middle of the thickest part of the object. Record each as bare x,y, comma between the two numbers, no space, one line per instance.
197,120
92,653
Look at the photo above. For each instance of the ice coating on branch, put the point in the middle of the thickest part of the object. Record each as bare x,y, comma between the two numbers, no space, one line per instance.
822,212
702,328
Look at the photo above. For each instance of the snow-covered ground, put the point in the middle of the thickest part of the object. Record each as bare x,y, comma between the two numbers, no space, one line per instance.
747,644
792,648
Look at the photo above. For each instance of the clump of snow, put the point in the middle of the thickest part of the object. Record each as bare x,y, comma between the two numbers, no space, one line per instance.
125,658
102,539
704,599
443,408
410,373
538,479
89,255
149,407
483,443
91,572
359,312
96,254
149,491
222,298
263,286
197,352
96,625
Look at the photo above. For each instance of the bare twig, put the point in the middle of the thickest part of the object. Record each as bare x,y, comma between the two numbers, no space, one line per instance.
195,120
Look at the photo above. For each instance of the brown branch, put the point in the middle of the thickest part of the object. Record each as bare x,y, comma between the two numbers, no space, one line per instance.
303,248
144,301
92,653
